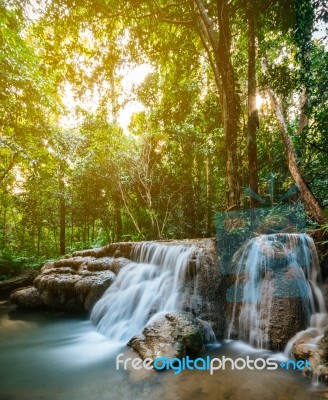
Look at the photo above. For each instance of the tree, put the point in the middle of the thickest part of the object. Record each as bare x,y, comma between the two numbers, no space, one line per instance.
310,201
305,17
253,120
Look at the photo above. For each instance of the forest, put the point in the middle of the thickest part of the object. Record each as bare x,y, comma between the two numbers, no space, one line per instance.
143,119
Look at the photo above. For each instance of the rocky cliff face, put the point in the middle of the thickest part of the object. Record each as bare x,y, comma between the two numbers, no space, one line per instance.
77,282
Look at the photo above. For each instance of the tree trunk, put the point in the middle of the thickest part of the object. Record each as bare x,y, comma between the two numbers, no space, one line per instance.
118,220
304,105
62,234
226,84
309,199
253,121
208,221
231,108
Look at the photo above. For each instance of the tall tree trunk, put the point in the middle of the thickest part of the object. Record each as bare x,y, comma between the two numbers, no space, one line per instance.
309,199
253,121
304,105
39,228
208,222
226,84
231,107
4,228
62,234
62,210
118,219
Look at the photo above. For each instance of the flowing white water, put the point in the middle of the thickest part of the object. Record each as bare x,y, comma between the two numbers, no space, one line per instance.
283,265
150,285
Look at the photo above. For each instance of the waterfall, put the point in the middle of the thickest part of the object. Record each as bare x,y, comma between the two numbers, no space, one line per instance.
273,272
151,284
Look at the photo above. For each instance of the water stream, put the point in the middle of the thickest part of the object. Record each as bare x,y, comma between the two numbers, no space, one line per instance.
151,284
54,356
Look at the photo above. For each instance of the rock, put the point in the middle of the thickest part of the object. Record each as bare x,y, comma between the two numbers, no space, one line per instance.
280,303
204,283
287,317
309,346
60,289
324,288
173,335
92,287
25,278
28,297
73,283
117,250
323,347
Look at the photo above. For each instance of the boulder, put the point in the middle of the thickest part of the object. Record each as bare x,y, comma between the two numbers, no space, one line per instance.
272,270
25,278
312,345
65,288
172,335
28,297
205,292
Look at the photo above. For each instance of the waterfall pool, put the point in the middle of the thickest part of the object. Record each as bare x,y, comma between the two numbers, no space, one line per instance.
54,356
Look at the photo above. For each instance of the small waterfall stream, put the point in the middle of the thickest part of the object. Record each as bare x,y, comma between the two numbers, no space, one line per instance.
151,284
272,271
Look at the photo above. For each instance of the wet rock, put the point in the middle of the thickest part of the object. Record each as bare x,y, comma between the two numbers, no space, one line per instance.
204,287
270,270
73,283
25,278
28,297
286,320
91,288
107,263
311,345
173,335
60,289
122,249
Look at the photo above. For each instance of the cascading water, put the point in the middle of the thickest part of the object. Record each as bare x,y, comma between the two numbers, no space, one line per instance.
150,285
273,272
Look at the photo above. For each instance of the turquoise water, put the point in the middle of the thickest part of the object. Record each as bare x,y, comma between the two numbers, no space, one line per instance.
55,356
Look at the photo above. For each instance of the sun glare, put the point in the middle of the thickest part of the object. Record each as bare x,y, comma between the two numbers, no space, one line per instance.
259,101
130,77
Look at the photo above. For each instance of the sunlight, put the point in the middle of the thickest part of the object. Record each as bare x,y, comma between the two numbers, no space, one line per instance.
259,101
18,185
130,77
